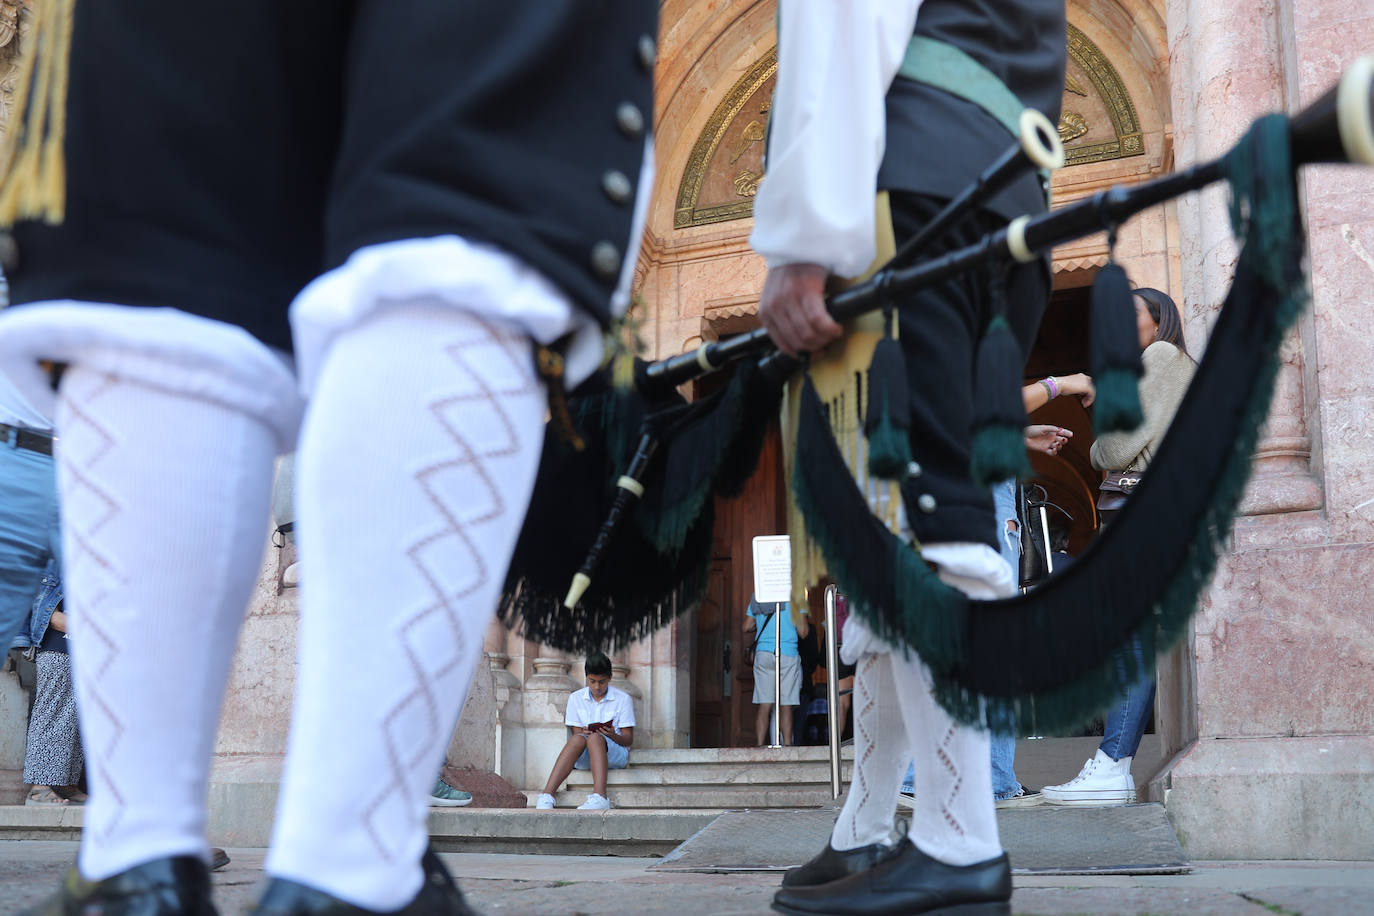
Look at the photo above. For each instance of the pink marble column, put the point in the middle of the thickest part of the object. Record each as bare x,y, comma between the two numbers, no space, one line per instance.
1280,646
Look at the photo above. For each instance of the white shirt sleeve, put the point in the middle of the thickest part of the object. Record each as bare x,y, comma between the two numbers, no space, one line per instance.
576,715
836,60
625,713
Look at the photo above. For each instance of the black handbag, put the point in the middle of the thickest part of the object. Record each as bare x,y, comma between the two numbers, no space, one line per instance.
752,650
1031,502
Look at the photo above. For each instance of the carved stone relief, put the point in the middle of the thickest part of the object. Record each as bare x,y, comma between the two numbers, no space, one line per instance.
1098,120
725,167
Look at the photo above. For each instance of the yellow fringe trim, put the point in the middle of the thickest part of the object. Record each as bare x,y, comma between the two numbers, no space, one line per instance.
34,185
833,372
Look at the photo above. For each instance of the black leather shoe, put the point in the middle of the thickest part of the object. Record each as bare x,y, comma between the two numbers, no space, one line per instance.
831,864
905,884
439,896
177,886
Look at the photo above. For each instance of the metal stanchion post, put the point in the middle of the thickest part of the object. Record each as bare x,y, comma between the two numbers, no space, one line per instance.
832,689
777,676
1045,532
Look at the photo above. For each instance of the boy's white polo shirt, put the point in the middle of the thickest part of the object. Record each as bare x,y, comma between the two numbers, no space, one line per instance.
617,707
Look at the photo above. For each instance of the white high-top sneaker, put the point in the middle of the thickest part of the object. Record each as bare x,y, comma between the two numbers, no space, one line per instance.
1102,781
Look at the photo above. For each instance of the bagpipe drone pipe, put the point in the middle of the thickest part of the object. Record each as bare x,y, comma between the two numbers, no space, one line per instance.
1043,661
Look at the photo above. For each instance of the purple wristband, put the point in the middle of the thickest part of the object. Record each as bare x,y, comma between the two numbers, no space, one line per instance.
1051,386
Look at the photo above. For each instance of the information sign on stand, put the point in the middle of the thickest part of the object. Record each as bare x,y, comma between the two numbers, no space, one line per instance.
772,568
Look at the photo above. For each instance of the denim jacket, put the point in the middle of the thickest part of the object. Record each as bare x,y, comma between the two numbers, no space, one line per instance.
49,597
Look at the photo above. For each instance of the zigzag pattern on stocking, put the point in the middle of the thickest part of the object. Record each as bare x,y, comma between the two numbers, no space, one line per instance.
81,492
946,761
867,740
422,695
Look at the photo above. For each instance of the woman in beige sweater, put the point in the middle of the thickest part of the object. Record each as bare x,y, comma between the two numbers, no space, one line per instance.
1106,778
1168,371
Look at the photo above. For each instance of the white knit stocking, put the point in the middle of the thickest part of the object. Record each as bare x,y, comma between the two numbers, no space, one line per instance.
881,752
164,500
897,719
954,819
415,469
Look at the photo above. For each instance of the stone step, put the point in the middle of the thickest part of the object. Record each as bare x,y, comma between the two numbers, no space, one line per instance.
688,797
718,774
790,777
704,756
565,831
508,830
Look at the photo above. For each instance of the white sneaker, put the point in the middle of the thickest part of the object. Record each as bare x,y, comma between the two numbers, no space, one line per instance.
595,802
1102,781
544,802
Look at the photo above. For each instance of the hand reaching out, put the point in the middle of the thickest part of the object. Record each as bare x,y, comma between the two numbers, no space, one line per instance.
1047,438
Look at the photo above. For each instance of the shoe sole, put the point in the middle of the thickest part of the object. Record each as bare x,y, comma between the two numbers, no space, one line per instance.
1019,802
1095,801
449,802
990,908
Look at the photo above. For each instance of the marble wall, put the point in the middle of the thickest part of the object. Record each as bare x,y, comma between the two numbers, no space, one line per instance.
1283,642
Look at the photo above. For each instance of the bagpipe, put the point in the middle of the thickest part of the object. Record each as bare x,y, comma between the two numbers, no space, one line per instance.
648,463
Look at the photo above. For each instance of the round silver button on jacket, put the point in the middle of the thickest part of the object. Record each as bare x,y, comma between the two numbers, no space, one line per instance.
606,260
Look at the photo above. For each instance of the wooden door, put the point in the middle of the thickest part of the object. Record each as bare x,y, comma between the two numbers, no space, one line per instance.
712,686
723,686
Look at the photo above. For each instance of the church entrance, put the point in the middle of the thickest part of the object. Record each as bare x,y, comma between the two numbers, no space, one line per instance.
722,684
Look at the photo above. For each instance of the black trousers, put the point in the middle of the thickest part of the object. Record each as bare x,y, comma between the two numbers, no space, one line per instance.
940,328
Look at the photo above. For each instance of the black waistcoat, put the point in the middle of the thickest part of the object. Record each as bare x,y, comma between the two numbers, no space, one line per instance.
221,157
937,143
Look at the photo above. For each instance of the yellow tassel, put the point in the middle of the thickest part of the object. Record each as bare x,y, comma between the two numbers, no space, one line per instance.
34,185
622,370
833,372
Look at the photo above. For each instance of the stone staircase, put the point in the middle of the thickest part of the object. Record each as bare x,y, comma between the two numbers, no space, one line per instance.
715,778
661,799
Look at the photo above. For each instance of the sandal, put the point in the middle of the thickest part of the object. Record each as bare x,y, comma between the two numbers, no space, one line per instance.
72,794
44,796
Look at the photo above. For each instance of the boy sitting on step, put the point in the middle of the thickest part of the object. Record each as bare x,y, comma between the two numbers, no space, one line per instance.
601,728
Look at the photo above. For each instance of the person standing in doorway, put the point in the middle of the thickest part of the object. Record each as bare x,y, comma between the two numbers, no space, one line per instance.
775,648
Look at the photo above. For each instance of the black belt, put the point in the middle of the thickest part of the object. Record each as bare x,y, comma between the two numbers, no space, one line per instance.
27,439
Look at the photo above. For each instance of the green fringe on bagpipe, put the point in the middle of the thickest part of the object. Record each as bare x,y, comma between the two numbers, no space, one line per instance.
999,453
658,566
712,448
889,445
1047,661
886,583
999,413
604,625
1116,406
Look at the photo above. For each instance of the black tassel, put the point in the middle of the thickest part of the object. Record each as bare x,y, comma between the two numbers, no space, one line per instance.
887,424
1116,353
999,413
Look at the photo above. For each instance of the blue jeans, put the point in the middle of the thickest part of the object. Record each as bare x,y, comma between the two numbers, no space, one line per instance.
29,532
1124,724
1004,781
